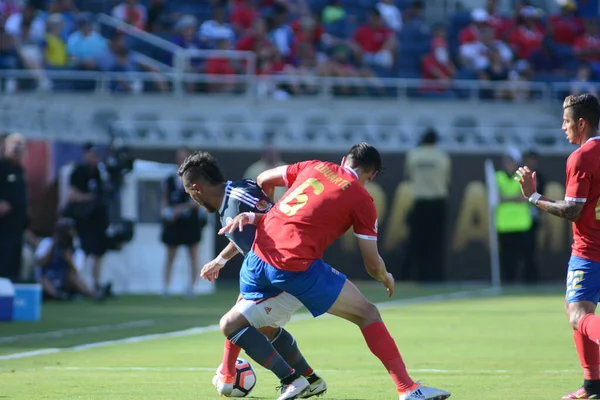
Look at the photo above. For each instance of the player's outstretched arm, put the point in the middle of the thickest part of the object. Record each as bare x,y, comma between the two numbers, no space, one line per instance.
210,271
569,210
247,218
271,178
374,264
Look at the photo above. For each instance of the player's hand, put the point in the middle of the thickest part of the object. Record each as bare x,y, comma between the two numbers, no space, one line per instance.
5,207
210,271
388,282
527,180
237,223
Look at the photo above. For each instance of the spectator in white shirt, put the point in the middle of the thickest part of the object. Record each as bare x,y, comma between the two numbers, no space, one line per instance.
391,15
476,55
216,29
31,19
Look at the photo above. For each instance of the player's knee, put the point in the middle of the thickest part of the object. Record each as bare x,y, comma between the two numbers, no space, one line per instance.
575,317
228,324
369,314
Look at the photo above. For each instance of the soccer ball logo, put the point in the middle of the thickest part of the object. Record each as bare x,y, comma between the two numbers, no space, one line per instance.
245,378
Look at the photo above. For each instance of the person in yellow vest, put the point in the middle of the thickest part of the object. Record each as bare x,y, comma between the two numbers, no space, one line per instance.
513,220
270,159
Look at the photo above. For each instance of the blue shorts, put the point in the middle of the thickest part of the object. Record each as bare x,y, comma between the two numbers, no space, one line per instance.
317,288
583,280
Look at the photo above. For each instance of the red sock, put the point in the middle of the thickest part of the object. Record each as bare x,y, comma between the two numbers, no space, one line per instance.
382,345
589,356
230,355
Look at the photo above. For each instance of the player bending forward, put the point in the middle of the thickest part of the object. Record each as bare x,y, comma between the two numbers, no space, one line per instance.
323,201
204,181
582,206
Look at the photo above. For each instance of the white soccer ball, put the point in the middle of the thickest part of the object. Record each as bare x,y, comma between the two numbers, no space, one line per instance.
245,378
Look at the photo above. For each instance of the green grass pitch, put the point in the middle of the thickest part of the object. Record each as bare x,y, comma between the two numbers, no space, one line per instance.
515,346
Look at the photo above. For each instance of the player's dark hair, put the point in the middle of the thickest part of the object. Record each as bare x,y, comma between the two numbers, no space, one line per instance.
365,156
584,106
201,165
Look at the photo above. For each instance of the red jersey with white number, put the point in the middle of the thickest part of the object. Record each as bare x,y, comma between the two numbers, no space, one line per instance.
324,200
583,186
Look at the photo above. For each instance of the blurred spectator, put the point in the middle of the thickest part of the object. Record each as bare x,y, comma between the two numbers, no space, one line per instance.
307,29
88,205
390,14
546,61
131,12
279,31
437,67
496,21
28,25
376,42
186,30
527,37
9,7
256,38
183,221
565,26
270,159
428,168
9,55
242,16
14,204
470,33
55,268
68,11
496,71
476,55
583,81
86,47
158,18
216,29
333,12
587,46
219,65
55,56
414,12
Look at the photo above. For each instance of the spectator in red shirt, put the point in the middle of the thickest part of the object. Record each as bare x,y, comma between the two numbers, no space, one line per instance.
587,46
471,33
132,13
437,67
497,21
255,38
526,38
376,42
242,15
219,65
566,26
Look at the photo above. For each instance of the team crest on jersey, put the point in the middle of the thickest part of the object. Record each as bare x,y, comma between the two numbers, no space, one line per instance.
262,205
268,310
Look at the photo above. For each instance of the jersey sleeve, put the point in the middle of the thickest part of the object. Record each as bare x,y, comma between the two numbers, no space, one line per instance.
579,177
292,171
364,219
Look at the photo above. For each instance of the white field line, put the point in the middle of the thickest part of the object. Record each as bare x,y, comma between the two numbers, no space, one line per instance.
75,331
214,328
195,369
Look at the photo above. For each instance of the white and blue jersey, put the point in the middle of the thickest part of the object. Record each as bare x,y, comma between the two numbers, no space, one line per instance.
243,196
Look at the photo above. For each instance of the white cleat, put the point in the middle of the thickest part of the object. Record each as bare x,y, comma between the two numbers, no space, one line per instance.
294,389
223,384
317,387
425,393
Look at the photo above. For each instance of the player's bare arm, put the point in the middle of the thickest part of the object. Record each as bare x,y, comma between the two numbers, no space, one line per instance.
375,265
210,270
272,178
247,218
569,210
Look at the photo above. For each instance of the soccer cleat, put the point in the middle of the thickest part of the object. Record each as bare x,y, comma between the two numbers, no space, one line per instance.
295,389
317,387
419,392
223,384
581,393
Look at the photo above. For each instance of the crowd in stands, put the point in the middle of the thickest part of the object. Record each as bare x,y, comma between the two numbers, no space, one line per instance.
304,39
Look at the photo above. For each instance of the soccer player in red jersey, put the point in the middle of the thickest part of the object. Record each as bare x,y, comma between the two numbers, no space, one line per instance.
324,200
581,206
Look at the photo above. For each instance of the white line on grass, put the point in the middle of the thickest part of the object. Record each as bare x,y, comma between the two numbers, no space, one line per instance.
193,369
75,331
214,328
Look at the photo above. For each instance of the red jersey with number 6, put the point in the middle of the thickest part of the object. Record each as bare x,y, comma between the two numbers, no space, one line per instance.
583,186
324,200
